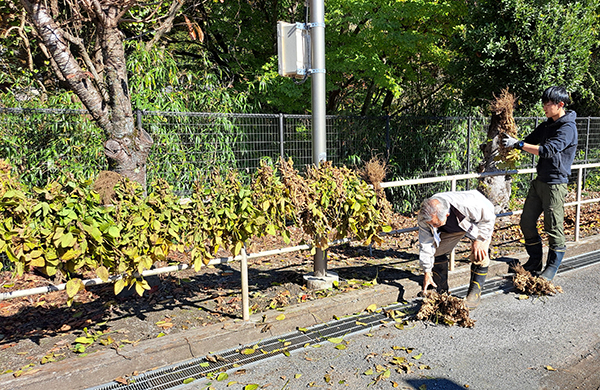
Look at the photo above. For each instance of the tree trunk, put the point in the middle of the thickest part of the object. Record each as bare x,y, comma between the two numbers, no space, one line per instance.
127,146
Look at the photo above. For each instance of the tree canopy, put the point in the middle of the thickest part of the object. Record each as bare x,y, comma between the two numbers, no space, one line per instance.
526,46
382,56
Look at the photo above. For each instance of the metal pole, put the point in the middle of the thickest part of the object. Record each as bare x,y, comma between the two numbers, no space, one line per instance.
533,155
388,142
317,73
281,139
578,213
469,134
587,148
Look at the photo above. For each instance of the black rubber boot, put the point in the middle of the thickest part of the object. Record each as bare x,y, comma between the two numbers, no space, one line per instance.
440,273
535,252
555,257
478,275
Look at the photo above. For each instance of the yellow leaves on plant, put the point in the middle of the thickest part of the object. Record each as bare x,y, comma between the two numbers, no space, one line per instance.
102,273
141,286
119,286
37,262
114,231
371,308
70,254
74,286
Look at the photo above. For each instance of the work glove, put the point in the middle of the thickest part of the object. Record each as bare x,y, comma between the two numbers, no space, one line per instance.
511,142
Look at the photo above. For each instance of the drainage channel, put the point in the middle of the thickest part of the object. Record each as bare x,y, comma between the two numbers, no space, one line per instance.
173,376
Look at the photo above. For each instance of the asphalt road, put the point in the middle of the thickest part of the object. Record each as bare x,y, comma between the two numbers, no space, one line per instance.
549,343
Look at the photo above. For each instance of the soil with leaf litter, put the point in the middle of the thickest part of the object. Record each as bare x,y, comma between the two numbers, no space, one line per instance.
41,329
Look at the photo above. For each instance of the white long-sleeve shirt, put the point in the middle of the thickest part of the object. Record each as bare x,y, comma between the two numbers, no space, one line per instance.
478,223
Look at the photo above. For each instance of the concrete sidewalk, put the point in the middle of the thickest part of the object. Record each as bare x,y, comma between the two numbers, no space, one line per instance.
103,367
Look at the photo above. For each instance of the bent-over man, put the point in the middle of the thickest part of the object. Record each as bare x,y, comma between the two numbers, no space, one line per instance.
444,219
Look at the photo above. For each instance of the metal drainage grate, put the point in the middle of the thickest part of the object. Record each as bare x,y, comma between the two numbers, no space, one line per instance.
174,375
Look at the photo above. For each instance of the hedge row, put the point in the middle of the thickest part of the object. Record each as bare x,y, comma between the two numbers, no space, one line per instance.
66,228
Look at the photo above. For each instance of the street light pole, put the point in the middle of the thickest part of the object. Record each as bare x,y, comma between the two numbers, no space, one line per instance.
320,278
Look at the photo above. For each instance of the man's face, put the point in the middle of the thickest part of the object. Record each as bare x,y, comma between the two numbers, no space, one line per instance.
553,110
437,222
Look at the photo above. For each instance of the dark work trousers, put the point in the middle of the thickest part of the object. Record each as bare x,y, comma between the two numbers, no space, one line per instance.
550,200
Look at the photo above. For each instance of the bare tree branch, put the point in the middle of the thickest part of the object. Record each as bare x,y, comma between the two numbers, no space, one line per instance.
167,24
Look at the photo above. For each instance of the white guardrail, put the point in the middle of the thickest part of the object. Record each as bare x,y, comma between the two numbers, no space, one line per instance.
243,257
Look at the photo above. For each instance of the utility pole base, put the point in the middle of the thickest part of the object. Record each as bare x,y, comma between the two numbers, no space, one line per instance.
320,282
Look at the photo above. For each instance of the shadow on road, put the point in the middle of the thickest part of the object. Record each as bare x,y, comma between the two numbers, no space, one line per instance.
434,384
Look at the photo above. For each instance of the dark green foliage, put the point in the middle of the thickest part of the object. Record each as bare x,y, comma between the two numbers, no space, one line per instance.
525,45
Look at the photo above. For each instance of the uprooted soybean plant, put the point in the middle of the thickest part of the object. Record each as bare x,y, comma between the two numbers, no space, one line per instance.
445,309
531,285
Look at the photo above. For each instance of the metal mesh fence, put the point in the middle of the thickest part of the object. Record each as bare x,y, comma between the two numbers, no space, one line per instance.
43,144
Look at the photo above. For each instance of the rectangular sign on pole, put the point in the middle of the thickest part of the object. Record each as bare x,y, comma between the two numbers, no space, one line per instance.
292,49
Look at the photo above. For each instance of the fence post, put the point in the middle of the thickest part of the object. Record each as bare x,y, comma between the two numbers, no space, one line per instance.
388,142
281,139
578,213
469,135
138,114
533,155
587,146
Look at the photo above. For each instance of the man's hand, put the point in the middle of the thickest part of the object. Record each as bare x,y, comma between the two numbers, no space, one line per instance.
510,142
478,250
428,281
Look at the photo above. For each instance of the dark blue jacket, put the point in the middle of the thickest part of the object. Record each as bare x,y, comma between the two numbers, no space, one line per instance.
558,143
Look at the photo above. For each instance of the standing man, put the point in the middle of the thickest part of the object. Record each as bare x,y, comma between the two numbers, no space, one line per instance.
555,142
444,219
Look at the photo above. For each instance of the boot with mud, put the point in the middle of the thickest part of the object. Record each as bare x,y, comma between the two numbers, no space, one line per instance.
535,252
440,273
478,275
555,257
